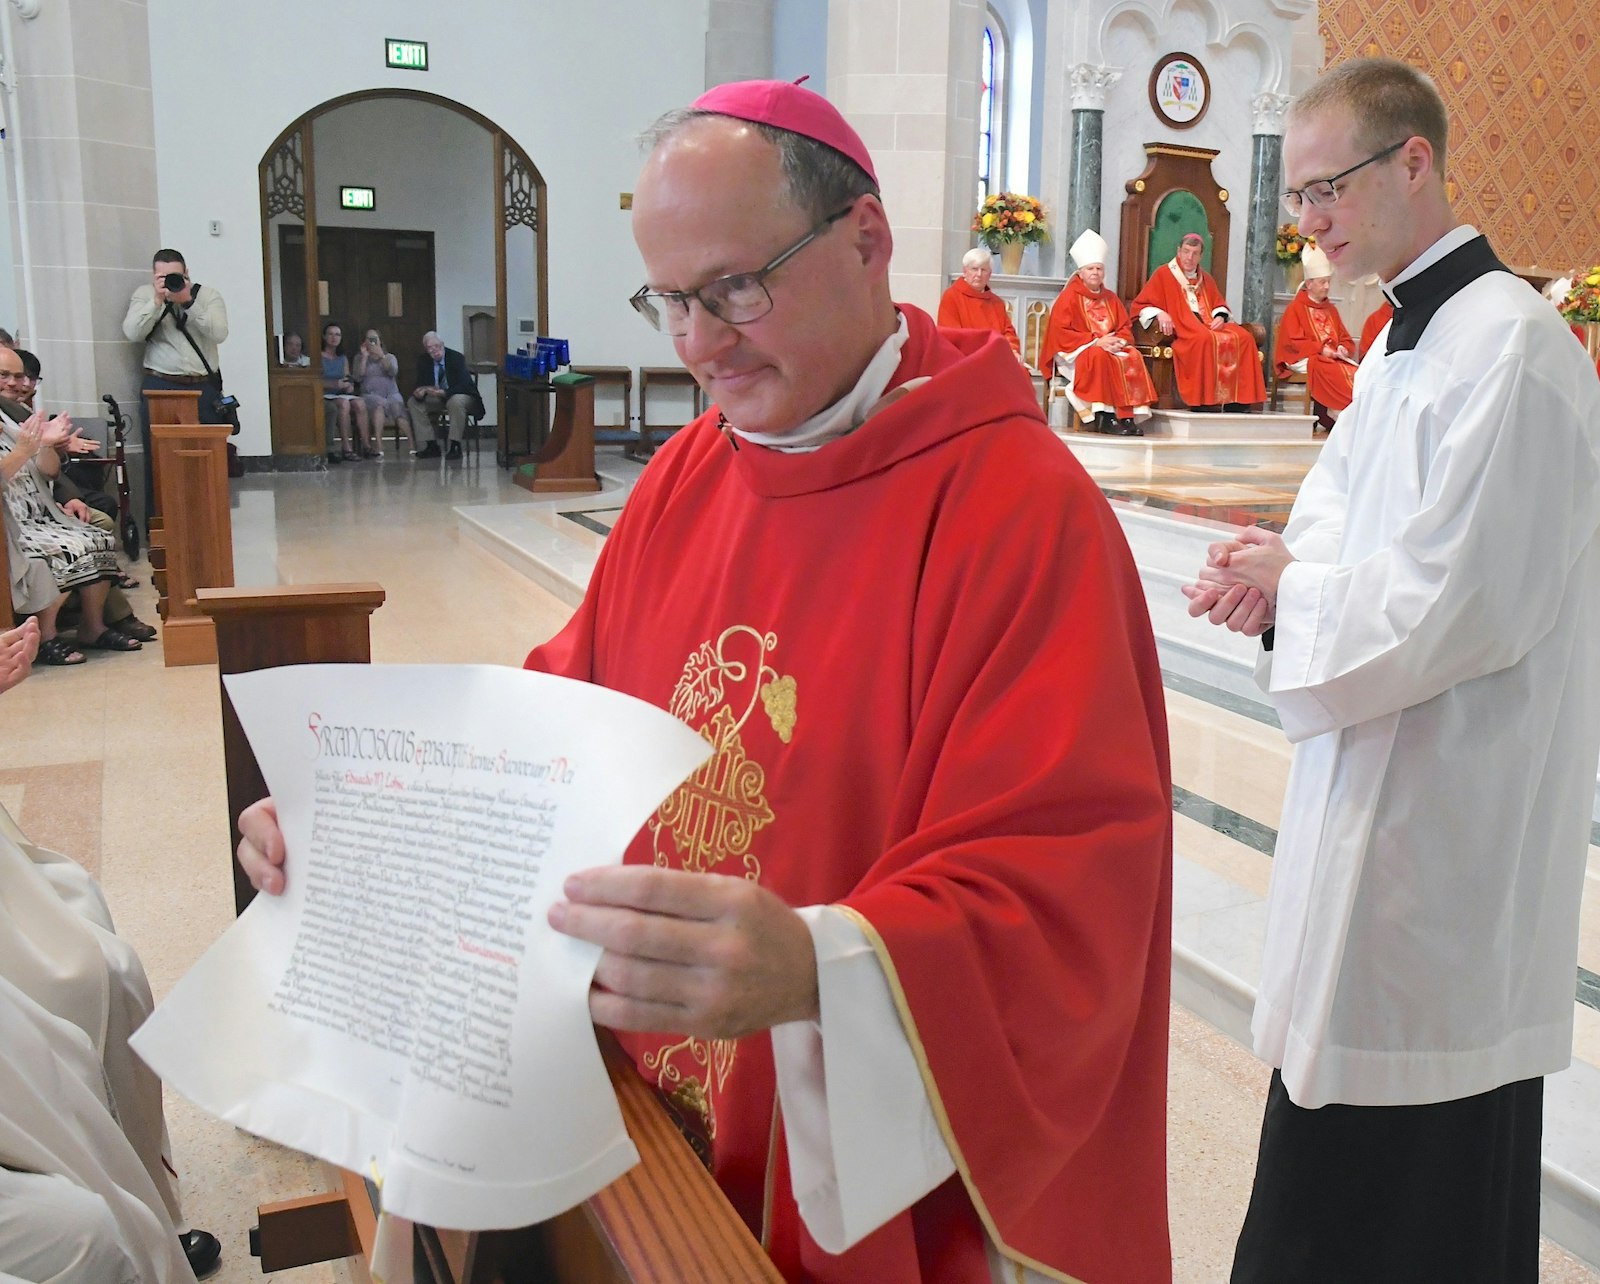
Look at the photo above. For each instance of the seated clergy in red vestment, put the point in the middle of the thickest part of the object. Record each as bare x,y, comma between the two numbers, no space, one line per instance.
1215,362
1089,340
898,955
1313,341
1372,327
969,304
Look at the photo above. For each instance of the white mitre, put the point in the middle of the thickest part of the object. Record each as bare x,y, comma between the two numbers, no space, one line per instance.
1558,289
1089,249
1315,263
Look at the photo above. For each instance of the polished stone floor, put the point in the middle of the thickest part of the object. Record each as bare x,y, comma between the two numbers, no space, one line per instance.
119,763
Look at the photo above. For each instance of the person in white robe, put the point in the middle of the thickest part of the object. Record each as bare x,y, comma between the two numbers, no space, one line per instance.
59,949
77,1206
1429,614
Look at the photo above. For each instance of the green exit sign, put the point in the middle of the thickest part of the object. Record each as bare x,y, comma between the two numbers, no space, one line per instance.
407,55
358,198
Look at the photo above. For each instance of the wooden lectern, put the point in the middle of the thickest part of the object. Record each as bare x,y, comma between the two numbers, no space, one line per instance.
261,628
197,532
564,462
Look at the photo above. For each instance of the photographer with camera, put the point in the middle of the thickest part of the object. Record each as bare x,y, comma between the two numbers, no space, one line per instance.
180,322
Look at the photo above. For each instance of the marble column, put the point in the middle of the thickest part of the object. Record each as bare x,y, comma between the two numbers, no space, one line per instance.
1089,86
1266,183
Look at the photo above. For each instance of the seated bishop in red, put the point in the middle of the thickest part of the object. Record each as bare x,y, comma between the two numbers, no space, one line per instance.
1088,343
969,304
927,868
898,955
1313,341
1214,361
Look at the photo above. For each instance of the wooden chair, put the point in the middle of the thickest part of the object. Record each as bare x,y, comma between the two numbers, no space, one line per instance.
664,376
1175,194
440,419
1288,384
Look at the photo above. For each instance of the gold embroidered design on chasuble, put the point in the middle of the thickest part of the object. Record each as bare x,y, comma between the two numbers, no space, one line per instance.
715,816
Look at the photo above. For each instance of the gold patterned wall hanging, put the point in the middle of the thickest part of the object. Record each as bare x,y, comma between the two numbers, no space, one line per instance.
1518,77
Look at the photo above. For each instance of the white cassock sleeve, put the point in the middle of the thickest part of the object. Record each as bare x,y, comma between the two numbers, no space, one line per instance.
1465,586
863,1142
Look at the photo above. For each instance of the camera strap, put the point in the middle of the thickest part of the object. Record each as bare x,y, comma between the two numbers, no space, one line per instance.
184,331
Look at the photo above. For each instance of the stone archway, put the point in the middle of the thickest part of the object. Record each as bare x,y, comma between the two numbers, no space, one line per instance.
289,191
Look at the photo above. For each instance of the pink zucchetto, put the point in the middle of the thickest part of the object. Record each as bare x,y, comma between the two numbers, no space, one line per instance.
787,106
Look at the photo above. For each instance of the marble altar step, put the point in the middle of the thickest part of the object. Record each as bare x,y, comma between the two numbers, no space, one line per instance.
1195,459
1189,426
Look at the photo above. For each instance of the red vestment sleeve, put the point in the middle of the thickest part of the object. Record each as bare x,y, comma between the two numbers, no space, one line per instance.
1036,877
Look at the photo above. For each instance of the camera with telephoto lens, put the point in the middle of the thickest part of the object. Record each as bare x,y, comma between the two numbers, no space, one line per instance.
174,282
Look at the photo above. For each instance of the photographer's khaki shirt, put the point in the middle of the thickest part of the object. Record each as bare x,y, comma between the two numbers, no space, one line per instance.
167,351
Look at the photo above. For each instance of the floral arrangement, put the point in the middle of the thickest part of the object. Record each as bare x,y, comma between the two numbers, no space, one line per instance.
1007,217
1290,243
1583,299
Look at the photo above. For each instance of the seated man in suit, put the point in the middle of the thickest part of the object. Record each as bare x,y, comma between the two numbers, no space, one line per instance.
1090,341
1215,362
1313,341
969,304
443,383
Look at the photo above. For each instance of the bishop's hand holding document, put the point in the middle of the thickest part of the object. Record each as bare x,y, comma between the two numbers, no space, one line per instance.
404,1010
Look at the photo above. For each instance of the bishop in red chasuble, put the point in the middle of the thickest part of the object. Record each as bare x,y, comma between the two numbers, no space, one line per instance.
1312,340
1214,361
1089,343
908,622
969,304
898,955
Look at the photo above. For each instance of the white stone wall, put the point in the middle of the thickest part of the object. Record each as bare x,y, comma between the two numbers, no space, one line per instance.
575,94
738,41
80,160
906,76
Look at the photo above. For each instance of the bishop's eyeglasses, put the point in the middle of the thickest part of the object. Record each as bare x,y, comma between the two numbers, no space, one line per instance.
1324,191
737,300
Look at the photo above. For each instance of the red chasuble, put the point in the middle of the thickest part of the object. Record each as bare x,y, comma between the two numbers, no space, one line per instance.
1212,367
1373,325
1305,330
964,308
924,659
1116,379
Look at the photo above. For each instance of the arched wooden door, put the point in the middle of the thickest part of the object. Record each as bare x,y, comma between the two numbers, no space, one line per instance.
288,180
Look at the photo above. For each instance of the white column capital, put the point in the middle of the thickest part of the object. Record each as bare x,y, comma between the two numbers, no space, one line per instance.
1090,84
27,8
1267,112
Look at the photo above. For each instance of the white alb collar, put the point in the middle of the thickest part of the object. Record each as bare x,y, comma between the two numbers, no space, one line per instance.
845,415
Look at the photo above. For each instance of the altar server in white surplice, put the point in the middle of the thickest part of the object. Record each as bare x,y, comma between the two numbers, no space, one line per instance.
1435,600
